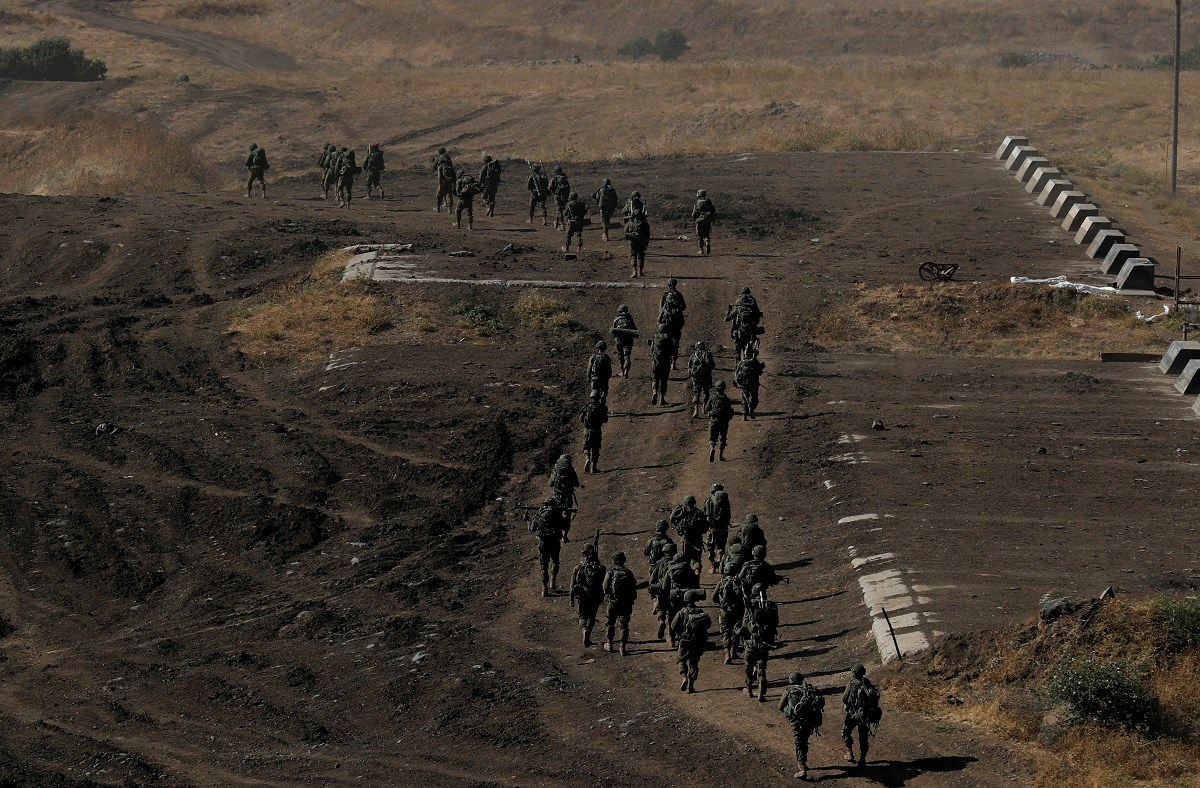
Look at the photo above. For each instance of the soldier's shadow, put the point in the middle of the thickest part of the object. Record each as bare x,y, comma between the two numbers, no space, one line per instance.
897,773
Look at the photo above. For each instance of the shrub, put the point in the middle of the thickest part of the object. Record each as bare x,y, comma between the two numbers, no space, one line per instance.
540,312
1015,60
670,43
636,47
1179,619
478,317
50,59
1109,692
1189,60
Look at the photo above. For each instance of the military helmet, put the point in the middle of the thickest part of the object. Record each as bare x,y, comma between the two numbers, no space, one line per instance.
702,193
745,291
550,501
759,551
374,146
596,394
589,549
601,345
618,558
716,487
698,345
537,168
564,459
689,501
669,549
693,595
661,527
253,146
795,677
344,149
720,385
442,149
558,171
758,588
623,308
636,195
487,159
751,518
858,671
608,182
672,282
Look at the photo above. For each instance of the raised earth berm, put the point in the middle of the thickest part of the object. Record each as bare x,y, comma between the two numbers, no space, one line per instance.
1065,202
1188,381
1104,240
1117,255
1040,177
1052,189
1137,274
1075,216
1018,157
1031,165
1006,148
1178,354
1090,228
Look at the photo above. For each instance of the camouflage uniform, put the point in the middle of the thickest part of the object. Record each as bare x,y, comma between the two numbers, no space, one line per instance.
600,370
637,232
735,558
345,183
662,351
466,190
700,371
539,191
758,571
747,375
374,167
717,510
658,580
855,721
690,626
593,418
750,534
677,581
758,629
654,548
689,522
624,332
606,201
634,206
720,413
704,212
746,318
257,164
547,526
672,321
443,167
802,726
560,187
574,214
730,599
489,176
563,483
323,164
587,591
333,165
620,588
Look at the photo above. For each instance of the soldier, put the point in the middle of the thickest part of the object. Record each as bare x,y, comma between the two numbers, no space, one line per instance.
803,705
758,571
730,598
539,190
489,176
345,184
323,165
574,212
734,559
750,535
443,167
673,319
587,589
662,350
658,587
758,630
672,296
563,483
466,189
863,712
600,370
746,317
333,165
690,627
677,580
560,187
747,375
593,418
620,587
624,331
547,526
654,548
700,369
717,511
257,164
606,201
720,412
689,522
704,212
635,205
374,167
637,232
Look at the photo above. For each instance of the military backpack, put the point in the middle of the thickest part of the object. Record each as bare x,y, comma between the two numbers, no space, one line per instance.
805,706
863,704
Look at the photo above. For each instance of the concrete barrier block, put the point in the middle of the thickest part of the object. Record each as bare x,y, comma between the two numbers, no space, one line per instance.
1196,406
1075,216
1089,227
1188,381
1018,156
1006,147
1114,261
1178,354
1065,202
1031,165
1136,274
1104,240
1040,177
1052,189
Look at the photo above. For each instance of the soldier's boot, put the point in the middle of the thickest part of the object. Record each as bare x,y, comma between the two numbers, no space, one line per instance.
712,452
662,629
554,576
624,653
762,688
691,684
721,455
849,754
683,685
801,770
745,414
606,233
587,463
729,655
707,246
862,755
545,588
654,396
749,688
595,461
587,635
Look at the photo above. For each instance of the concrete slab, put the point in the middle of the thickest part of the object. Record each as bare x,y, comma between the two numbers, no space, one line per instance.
1065,202
1031,165
1018,156
1196,406
1052,189
1137,274
1114,261
1006,148
1040,177
1104,240
1077,214
1188,381
1090,227
1178,354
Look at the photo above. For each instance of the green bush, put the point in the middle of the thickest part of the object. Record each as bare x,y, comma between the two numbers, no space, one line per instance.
1189,60
478,317
637,47
50,59
669,44
1109,692
1015,60
1179,619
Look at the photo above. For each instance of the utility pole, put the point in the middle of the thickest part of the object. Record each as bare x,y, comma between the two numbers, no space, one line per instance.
1175,101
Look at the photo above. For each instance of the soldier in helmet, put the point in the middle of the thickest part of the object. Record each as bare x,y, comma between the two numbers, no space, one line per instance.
593,418
624,332
689,522
746,318
634,205
720,413
323,164
443,168
747,375
750,535
574,214
637,232
654,548
700,369
861,702
803,706
563,483
659,587
587,591
735,558
539,191
600,370
374,167
257,164
678,579
620,588
717,510
662,352
607,201
704,212
348,170
730,598
489,177
547,526
690,627
757,632
759,571
560,187
466,189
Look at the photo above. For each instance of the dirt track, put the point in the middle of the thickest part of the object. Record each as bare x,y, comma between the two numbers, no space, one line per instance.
270,575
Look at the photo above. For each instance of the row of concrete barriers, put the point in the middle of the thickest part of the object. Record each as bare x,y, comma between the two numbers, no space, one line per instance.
1096,233
1182,359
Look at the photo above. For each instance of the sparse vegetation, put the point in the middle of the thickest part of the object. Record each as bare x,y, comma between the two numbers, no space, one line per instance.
478,317
542,312
206,9
50,59
669,44
1179,620
1189,60
1015,60
1109,691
